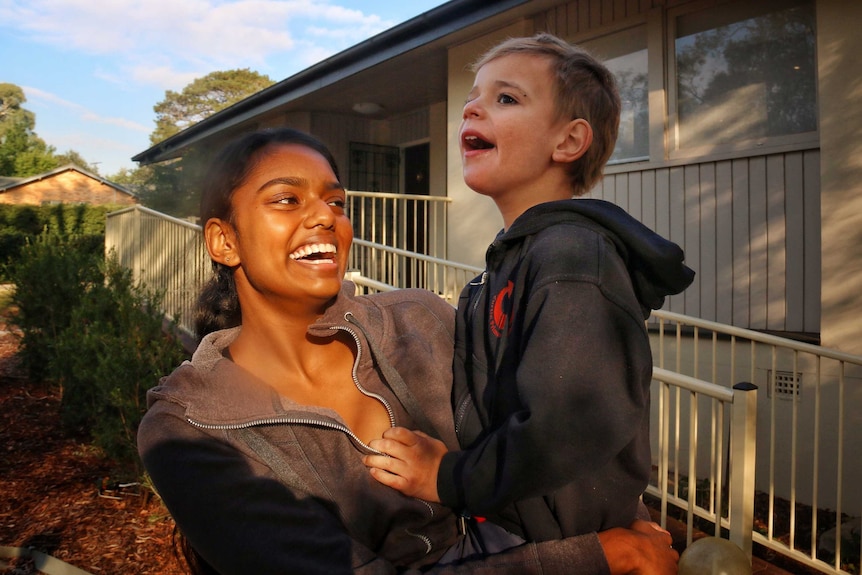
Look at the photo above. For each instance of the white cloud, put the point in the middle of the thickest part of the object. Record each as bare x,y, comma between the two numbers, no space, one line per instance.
163,77
179,40
37,95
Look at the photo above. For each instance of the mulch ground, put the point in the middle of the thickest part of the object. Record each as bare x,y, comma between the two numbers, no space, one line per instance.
58,496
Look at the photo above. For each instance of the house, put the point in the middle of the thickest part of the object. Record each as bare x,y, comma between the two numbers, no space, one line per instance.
739,139
67,184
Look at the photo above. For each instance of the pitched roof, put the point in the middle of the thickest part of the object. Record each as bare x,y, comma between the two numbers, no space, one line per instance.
6,181
7,184
382,69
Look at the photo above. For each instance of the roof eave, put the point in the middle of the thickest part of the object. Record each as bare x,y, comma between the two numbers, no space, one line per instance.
423,29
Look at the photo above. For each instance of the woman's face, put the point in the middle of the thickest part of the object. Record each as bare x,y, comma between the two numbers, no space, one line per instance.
291,233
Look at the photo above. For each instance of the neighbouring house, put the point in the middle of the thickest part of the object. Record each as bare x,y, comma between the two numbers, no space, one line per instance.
739,140
67,184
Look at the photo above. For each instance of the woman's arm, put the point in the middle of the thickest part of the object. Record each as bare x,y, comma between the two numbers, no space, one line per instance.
241,522
238,520
643,549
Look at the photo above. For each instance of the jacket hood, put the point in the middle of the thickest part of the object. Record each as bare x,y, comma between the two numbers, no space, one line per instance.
654,263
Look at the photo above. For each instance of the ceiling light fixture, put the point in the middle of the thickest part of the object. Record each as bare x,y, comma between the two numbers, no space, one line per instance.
367,108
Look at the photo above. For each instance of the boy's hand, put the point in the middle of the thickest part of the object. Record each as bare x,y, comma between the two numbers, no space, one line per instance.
412,465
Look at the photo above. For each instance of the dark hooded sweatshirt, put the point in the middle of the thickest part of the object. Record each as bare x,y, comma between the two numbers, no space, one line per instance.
552,371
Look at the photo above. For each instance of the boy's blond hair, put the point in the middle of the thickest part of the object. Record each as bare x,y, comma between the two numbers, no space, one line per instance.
585,89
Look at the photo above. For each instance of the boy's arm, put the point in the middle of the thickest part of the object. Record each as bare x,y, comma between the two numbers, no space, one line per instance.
582,382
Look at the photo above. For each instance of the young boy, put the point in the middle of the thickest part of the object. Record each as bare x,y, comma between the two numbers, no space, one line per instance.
553,365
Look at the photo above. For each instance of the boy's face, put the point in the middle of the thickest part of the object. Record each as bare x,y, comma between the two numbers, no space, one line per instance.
510,130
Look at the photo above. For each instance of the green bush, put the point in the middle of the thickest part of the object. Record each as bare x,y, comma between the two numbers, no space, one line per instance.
50,278
22,224
112,352
88,328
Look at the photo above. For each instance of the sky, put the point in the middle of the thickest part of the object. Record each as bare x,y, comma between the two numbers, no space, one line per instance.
92,70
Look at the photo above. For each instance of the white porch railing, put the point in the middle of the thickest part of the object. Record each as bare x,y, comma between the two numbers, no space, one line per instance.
809,434
708,451
397,267
409,222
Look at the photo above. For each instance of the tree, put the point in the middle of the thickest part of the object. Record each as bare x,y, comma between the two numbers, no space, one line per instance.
73,157
203,98
170,187
11,112
160,187
16,125
22,152
37,158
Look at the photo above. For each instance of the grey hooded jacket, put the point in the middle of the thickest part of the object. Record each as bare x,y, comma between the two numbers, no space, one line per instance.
260,484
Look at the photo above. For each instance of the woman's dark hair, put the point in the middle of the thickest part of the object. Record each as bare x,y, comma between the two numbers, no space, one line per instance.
218,305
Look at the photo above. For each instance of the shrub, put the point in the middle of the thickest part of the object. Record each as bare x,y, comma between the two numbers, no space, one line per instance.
112,352
50,279
22,224
88,328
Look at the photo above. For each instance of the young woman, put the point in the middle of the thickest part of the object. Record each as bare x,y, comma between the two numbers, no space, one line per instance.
256,444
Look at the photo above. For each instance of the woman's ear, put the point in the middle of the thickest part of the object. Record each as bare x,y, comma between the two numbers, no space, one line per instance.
577,137
221,242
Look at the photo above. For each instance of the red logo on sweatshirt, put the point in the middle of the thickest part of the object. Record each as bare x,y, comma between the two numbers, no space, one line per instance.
502,310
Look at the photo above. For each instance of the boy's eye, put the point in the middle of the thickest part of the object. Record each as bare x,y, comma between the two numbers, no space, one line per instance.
506,99
338,203
288,200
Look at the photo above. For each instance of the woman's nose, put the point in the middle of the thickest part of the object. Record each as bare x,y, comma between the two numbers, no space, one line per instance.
320,214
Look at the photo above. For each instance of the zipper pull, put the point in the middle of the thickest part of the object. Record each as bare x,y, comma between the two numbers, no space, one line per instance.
481,280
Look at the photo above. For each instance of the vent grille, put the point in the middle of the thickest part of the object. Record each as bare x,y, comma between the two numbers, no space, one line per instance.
785,385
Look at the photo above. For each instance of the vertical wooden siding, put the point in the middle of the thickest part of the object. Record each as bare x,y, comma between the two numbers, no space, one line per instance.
749,227
579,16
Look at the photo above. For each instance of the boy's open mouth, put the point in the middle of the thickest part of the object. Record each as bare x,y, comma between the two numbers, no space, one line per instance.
476,143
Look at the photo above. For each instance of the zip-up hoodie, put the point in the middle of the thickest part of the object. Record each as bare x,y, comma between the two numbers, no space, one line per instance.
553,369
260,484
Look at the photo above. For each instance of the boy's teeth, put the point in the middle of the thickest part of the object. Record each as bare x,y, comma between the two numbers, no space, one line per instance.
477,143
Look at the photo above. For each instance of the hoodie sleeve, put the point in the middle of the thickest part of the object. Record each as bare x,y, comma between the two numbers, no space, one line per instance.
575,383
239,520
243,522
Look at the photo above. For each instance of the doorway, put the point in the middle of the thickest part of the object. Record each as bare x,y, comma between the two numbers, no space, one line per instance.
417,160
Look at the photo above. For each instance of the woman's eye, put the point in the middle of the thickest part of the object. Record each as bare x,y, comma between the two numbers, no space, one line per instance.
506,99
338,203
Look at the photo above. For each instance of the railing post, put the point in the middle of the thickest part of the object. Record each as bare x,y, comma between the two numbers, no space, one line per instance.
743,439
137,262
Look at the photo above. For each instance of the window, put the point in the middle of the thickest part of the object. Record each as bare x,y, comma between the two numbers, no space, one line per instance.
745,74
625,55
374,168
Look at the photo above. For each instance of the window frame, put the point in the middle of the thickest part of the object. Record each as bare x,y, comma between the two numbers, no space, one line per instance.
628,27
673,149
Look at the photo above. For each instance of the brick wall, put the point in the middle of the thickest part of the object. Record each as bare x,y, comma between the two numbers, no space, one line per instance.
70,187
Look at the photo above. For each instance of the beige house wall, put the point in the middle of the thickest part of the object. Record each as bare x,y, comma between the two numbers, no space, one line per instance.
840,78
473,221
69,187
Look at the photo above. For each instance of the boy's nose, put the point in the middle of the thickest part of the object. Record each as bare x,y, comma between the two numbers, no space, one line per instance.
471,109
